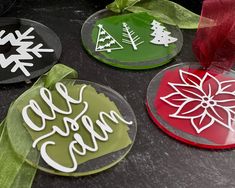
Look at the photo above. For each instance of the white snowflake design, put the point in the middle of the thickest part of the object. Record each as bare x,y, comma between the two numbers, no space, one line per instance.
25,49
204,101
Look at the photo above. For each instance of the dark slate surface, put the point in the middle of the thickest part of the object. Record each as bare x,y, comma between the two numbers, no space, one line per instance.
156,160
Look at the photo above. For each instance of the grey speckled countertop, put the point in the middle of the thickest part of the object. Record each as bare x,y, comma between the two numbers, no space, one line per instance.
155,160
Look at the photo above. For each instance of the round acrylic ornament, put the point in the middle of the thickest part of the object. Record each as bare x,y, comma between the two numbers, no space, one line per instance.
5,5
130,41
61,149
194,105
27,50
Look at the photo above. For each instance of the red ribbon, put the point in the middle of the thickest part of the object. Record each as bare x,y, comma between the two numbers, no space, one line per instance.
214,44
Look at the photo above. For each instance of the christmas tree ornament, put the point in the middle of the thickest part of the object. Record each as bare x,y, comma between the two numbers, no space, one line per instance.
129,40
194,103
27,50
105,42
5,5
161,36
70,127
132,40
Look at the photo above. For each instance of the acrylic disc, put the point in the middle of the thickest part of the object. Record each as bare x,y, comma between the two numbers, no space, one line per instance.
130,41
27,50
76,129
194,105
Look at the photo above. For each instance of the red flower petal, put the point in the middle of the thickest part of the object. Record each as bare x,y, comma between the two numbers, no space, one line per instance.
225,99
210,85
189,109
188,91
201,123
220,115
228,86
189,78
174,99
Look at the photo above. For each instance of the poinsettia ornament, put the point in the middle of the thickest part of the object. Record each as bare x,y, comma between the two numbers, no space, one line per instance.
196,103
202,101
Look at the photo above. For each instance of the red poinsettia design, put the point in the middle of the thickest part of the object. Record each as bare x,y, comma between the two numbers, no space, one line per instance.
203,101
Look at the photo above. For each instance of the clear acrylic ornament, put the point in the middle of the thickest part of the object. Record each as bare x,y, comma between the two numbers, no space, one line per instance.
194,105
116,145
130,41
27,50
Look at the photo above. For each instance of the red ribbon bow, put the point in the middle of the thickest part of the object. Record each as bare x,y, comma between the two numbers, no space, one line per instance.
214,44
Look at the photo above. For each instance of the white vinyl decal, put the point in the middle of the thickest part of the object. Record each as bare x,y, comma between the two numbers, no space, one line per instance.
71,125
105,42
130,37
25,49
204,101
161,36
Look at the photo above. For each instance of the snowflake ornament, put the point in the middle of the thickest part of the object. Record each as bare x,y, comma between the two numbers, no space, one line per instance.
25,50
204,101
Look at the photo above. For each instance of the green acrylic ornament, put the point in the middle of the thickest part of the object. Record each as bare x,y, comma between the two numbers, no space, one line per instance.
130,41
70,127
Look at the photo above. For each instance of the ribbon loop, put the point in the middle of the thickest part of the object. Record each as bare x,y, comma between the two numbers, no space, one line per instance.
57,73
214,44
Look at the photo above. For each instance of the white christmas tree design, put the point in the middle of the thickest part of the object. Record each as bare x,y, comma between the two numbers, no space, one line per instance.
25,49
161,36
130,37
105,42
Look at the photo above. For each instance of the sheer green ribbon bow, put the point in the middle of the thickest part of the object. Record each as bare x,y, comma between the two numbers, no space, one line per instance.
163,10
14,170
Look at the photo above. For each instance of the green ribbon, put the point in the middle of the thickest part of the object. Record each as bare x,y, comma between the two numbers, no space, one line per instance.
14,171
57,73
163,10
